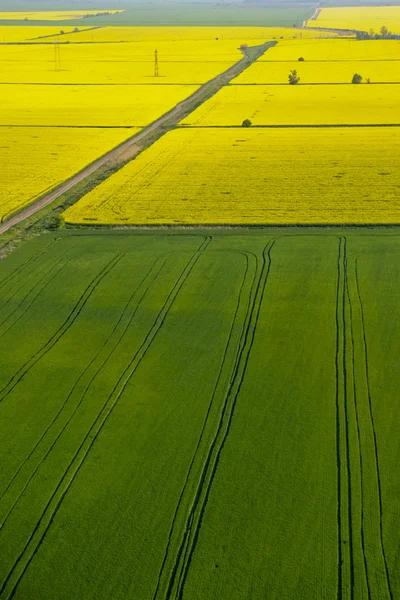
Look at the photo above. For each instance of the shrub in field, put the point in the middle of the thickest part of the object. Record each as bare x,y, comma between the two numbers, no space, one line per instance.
356,78
247,123
293,77
301,59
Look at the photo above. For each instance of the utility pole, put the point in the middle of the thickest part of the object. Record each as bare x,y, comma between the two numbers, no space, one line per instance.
156,73
57,58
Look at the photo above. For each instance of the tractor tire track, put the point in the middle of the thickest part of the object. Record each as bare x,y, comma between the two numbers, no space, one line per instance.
179,572
8,317
209,408
73,315
27,264
357,420
349,498
373,429
36,538
88,385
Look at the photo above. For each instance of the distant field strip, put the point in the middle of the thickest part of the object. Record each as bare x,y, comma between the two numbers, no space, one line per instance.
344,50
87,105
119,339
50,15
300,105
320,72
299,176
361,18
38,159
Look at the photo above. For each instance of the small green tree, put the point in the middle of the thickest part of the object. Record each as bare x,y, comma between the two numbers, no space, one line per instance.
385,33
356,78
247,123
293,77
301,59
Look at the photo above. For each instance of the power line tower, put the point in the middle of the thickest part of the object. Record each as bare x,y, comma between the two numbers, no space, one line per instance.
156,73
57,57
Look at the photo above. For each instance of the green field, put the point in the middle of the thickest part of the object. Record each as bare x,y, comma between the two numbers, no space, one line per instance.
200,415
176,13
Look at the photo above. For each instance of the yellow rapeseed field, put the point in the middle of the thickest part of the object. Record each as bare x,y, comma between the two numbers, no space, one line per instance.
179,62
250,176
299,105
50,15
321,72
182,33
34,160
334,50
361,18
88,105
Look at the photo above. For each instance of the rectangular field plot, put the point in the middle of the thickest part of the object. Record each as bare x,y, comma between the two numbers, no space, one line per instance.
50,15
300,105
179,62
242,176
35,160
88,105
321,72
334,50
361,18
200,415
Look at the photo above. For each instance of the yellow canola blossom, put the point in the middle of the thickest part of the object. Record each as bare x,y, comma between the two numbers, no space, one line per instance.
88,105
254,176
333,50
300,105
51,15
360,18
35,160
321,72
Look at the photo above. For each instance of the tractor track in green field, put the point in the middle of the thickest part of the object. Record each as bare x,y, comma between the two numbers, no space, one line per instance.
372,423
205,422
358,480
63,263
88,385
69,321
27,264
36,538
175,579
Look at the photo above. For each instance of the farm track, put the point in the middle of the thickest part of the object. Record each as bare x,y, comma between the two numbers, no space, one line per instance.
17,571
362,564
171,582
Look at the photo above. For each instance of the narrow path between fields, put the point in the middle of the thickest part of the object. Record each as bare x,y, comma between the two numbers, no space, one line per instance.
135,144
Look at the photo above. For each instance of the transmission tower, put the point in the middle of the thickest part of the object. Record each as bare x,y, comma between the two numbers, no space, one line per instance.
57,58
156,73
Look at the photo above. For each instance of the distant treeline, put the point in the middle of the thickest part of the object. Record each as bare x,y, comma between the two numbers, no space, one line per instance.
384,34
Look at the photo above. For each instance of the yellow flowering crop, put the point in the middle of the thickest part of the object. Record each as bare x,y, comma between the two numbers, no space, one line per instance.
249,176
299,105
88,105
182,33
321,72
179,62
34,160
333,50
362,18
51,15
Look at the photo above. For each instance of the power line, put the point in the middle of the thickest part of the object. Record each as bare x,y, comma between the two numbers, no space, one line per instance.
57,57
